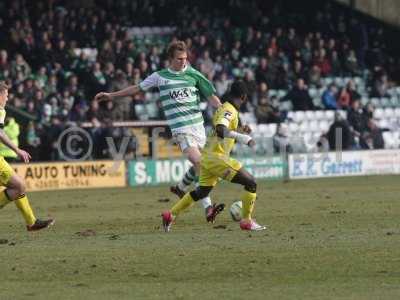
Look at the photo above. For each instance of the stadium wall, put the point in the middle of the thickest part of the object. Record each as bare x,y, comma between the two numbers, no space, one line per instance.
72,175
339,164
119,173
163,171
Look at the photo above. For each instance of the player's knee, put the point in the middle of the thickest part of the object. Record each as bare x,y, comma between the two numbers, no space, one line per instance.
21,188
18,186
251,185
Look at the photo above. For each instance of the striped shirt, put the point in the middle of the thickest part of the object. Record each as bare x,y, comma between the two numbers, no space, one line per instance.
180,95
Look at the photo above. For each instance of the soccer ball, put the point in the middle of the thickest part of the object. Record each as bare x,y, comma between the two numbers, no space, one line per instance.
236,211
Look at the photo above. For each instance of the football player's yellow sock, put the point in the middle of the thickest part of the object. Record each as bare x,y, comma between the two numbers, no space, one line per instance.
182,204
25,208
4,200
248,200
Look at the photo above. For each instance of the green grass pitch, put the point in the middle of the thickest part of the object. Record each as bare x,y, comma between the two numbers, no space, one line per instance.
327,239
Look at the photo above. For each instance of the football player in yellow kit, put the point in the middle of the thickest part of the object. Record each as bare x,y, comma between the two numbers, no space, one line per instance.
216,162
14,185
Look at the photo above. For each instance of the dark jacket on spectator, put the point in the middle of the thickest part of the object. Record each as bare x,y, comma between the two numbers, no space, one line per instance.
300,98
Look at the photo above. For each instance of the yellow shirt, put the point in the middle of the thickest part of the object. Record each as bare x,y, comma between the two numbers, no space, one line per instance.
228,116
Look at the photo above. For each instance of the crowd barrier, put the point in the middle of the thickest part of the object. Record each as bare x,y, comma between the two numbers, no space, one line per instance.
72,175
154,172
109,173
349,163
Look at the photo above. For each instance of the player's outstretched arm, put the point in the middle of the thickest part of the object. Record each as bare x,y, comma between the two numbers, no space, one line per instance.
129,91
223,132
25,156
214,101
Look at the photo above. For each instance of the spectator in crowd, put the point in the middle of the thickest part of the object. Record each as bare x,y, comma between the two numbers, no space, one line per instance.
281,139
339,134
314,76
381,86
352,90
329,97
124,104
266,112
110,112
32,141
299,96
358,122
222,84
343,101
373,137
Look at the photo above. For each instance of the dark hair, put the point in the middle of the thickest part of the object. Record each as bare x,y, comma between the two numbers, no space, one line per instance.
238,89
3,87
176,46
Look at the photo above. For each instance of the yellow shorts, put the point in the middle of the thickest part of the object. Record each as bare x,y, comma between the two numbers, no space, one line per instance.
214,167
5,171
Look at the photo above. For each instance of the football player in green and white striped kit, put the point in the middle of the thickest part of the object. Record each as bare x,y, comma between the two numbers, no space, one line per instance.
180,87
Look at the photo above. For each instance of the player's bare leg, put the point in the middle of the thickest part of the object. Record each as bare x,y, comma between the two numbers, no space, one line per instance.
248,198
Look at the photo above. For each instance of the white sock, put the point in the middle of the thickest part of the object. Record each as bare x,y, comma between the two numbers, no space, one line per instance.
206,202
183,186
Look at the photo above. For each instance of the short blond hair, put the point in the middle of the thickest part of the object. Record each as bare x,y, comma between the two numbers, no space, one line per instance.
176,46
3,87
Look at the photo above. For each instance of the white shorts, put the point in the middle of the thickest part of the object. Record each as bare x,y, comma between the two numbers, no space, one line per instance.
190,137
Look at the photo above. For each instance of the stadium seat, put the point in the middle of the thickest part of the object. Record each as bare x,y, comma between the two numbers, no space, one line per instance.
272,93
376,102
383,123
385,102
396,139
364,101
310,115
319,115
152,110
394,101
262,128
358,80
313,92
324,125
281,93
304,127
293,128
346,80
313,126
327,81
299,116
141,112
339,81
379,113
329,115
286,106
291,115
397,112
272,128
248,118
388,139
343,114
389,112
317,101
